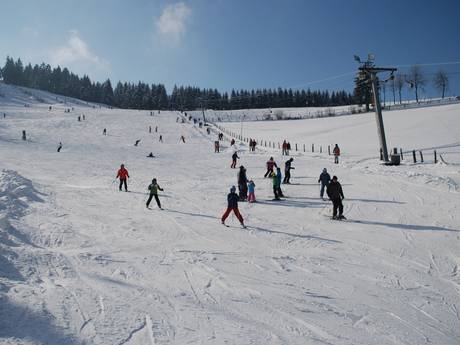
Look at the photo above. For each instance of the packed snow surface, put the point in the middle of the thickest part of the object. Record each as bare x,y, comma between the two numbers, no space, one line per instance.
83,263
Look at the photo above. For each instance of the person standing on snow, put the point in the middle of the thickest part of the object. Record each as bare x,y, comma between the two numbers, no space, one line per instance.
234,158
324,178
270,165
279,178
251,191
335,193
275,185
154,188
243,184
287,170
284,148
59,147
336,152
123,175
232,205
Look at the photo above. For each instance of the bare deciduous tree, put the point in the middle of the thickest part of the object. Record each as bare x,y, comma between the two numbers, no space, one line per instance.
441,81
399,84
416,79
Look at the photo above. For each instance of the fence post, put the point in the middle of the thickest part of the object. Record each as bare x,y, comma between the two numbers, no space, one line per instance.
329,149
421,156
296,146
278,145
303,147
381,154
24,135
265,143
402,157
312,147
413,155
320,149
435,157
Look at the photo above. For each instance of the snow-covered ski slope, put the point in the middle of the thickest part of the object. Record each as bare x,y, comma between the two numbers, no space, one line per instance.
82,263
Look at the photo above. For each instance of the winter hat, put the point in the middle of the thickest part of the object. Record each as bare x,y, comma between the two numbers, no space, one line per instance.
291,159
334,178
324,170
154,180
232,189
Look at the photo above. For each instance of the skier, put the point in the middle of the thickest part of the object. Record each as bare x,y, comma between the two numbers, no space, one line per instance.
288,148
243,184
232,142
270,165
336,153
216,146
279,178
59,147
232,200
287,170
150,127
104,132
156,129
335,193
150,155
275,185
137,142
324,178
161,139
234,158
251,190
83,116
154,188
284,148
123,175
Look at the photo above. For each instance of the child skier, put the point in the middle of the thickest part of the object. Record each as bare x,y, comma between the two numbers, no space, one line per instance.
232,200
123,175
270,165
154,188
251,191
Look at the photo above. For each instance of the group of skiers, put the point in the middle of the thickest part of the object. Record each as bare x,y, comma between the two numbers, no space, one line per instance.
252,145
246,187
153,188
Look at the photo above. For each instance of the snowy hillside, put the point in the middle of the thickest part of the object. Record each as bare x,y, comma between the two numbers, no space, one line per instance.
83,263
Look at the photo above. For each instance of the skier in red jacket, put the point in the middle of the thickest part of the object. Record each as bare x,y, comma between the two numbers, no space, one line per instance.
123,175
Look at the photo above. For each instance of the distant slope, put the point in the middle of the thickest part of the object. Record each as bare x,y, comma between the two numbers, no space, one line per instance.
12,95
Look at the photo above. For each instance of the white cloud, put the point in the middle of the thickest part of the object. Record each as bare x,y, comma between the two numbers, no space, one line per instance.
173,21
76,51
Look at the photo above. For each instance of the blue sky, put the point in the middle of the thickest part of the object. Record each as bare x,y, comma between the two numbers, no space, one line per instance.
227,44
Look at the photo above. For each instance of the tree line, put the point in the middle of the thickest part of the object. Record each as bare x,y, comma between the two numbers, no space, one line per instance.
154,96
415,79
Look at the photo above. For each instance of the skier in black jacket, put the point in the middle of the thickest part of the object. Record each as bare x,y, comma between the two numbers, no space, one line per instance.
335,193
243,184
287,170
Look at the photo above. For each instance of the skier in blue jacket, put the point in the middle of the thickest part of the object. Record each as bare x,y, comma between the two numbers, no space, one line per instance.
324,179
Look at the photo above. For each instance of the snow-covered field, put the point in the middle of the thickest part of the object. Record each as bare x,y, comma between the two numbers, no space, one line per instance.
82,263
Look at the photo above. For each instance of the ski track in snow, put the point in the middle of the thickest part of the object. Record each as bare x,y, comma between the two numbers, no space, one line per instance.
82,263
